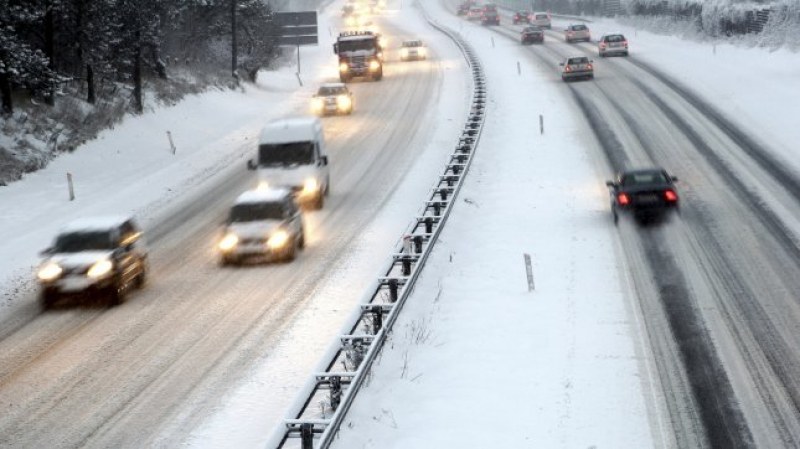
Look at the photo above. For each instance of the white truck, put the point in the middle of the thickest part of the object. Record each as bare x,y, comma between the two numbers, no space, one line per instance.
292,155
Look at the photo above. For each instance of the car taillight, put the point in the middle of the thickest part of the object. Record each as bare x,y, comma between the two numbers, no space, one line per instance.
670,196
567,69
602,45
589,66
623,199
625,43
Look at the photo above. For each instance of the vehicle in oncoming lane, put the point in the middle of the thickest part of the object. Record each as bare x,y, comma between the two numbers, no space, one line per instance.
576,68
94,256
263,223
332,98
413,50
646,193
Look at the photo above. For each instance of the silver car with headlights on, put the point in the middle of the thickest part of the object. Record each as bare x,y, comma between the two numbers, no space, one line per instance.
332,98
94,256
413,50
264,223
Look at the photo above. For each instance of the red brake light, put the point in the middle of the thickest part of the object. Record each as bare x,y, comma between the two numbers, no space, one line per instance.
623,199
567,68
602,45
589,66
670,196
625,43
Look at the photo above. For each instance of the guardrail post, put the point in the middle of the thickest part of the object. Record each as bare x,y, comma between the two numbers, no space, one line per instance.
406,266
336,391
393,290
443,194
437,209
307,435
417,244
428,225
377,319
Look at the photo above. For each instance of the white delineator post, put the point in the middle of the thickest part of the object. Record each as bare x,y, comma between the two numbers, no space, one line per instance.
70,187
529,271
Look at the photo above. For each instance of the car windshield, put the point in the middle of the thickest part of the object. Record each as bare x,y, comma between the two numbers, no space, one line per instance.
581,60
541,16
255,212
615,38
578,27
532,29
325,91
644,178
412,44
283,154
75,242
357,44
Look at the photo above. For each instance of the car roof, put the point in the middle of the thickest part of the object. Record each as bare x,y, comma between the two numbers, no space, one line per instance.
333,85
293,129
268,195
100,223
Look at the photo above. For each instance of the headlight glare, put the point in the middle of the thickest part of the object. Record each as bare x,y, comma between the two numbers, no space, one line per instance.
278,239
311,185
49,271
228,242
404,52
343,102
317,104
343,67
100,269
374,65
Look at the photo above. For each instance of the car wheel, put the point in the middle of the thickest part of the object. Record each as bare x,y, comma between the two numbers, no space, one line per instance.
116,293
292,253
141,278
319,202
615,216
47,298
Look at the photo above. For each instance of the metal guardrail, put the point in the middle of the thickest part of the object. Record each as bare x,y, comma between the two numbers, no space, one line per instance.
314,419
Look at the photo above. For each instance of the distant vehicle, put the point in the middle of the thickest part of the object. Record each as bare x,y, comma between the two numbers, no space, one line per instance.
463,9
541,20
576,68
531,34
475,13
577,33
94,256
612,44
332,98
360,55
413,50
521,17
292,155
264,223
490,16
647,193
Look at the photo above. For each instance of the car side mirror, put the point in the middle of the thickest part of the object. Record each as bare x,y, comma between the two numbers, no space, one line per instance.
561,64
336,48
251,164
46,252
591,60
323,160
611,183
674,178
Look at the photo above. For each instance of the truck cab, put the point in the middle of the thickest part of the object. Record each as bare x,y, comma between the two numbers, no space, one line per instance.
292,155
360,55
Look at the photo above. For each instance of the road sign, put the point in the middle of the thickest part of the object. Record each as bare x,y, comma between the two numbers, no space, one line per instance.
297,28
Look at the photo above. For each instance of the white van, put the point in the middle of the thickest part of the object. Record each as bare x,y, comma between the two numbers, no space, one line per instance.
292,154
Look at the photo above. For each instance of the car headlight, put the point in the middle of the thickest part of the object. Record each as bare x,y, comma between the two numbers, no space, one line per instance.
310,186
228,242
100,269
404,53
343,67
343,102
374,65
383,42
278,239
262,185
422,51
350,21
49,271
317,104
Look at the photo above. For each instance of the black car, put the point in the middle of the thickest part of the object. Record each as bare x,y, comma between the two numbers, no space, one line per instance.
648,194
531,34
521,17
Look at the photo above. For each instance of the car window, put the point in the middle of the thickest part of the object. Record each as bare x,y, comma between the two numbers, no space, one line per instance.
581,60
615,38
284,154
578,27
644,178
256,211
541,16
74,242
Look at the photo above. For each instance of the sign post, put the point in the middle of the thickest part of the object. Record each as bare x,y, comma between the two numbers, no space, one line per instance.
296,29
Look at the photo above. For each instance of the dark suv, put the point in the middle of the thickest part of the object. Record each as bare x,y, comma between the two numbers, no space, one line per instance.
103,255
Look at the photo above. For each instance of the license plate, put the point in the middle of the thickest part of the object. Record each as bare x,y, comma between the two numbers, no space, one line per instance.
647,199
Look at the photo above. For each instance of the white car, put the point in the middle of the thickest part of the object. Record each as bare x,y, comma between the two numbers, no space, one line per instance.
92,256
263,223
332,98
575,33
413,50
612,44
541,19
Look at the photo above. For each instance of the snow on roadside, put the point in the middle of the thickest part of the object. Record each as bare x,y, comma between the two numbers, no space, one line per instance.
476,360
